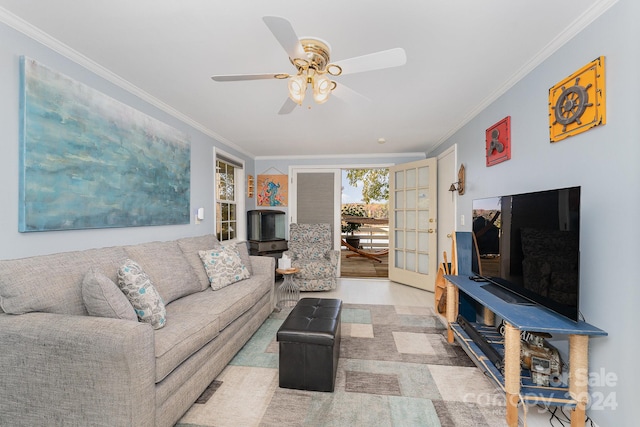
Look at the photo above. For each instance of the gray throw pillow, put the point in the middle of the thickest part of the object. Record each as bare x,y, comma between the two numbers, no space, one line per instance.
103,298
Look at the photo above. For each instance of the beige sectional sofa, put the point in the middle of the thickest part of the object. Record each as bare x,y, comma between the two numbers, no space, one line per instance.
61,366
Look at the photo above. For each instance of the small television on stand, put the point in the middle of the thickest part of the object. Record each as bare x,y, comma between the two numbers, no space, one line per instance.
264,225
529,247
265,230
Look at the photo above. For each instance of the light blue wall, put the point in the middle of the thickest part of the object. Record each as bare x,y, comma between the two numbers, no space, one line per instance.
13,244
604,161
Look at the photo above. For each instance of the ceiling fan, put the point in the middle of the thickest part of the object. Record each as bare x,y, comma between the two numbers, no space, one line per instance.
312,58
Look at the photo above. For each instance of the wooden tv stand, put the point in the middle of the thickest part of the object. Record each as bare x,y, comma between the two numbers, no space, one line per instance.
532,318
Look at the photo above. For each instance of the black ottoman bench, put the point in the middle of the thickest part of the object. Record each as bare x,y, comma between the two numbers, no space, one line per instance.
310,345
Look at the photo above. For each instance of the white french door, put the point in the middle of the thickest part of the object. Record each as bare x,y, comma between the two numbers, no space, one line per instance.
413,212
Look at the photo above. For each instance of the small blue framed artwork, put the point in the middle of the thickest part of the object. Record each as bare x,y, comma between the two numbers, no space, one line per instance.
90,161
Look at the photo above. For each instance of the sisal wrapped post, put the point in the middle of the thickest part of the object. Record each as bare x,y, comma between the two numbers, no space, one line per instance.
489,317
579,376
452,309
512,372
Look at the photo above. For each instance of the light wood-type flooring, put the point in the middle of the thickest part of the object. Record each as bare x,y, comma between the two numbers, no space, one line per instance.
358,266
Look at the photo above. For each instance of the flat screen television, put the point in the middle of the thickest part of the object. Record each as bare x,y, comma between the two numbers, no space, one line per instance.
529,248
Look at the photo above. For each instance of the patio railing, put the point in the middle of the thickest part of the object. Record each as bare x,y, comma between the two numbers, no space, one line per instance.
373,234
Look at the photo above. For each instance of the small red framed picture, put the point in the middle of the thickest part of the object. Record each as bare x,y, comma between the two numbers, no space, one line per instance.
498,142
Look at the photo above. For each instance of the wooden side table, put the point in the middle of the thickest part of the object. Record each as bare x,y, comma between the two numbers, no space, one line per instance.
288,293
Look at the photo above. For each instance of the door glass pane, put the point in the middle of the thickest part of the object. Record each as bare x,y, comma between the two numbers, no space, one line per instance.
399,204
423,200
411,241
400,179
411,220
423,242
411,199
399,219
411,178
398,259
423,177
411,261
423,263
423,220
399,239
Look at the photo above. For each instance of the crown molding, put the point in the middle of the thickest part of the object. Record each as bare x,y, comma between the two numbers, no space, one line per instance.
57,46
579,24
343,156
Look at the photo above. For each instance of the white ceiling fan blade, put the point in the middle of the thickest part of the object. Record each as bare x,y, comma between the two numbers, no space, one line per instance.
288,106
286,36
346,94
373,61
242,77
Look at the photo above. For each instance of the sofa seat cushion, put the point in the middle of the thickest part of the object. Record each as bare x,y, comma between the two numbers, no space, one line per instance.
189,327
233,301
167,266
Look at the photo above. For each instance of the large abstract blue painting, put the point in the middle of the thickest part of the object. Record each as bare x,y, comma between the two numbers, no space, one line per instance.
89,161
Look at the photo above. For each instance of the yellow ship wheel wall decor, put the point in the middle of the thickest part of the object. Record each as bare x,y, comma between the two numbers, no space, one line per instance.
578,103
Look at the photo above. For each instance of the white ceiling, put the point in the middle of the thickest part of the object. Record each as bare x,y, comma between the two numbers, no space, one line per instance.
461,55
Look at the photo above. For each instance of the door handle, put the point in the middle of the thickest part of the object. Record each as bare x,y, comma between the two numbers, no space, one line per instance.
449,235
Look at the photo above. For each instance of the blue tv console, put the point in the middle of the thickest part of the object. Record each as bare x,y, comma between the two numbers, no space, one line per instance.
532,318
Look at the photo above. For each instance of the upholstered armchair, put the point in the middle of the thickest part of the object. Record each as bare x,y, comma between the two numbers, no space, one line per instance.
311,250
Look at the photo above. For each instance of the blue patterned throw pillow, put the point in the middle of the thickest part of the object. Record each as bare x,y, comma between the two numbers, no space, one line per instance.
223,266
142,294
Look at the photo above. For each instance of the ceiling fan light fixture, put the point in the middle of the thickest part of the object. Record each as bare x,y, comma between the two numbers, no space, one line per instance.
322,87
297,88
334,70
311,57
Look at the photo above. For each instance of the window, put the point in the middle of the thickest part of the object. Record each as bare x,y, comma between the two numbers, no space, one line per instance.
228,193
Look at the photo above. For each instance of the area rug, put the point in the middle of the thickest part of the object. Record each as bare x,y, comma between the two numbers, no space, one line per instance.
395,369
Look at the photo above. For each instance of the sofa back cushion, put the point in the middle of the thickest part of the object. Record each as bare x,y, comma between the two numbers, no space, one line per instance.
167,267
53,283
190,247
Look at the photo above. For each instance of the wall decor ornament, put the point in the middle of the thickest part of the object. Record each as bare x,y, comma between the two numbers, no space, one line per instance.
250,186
272,190
90,161
498,142
578,103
